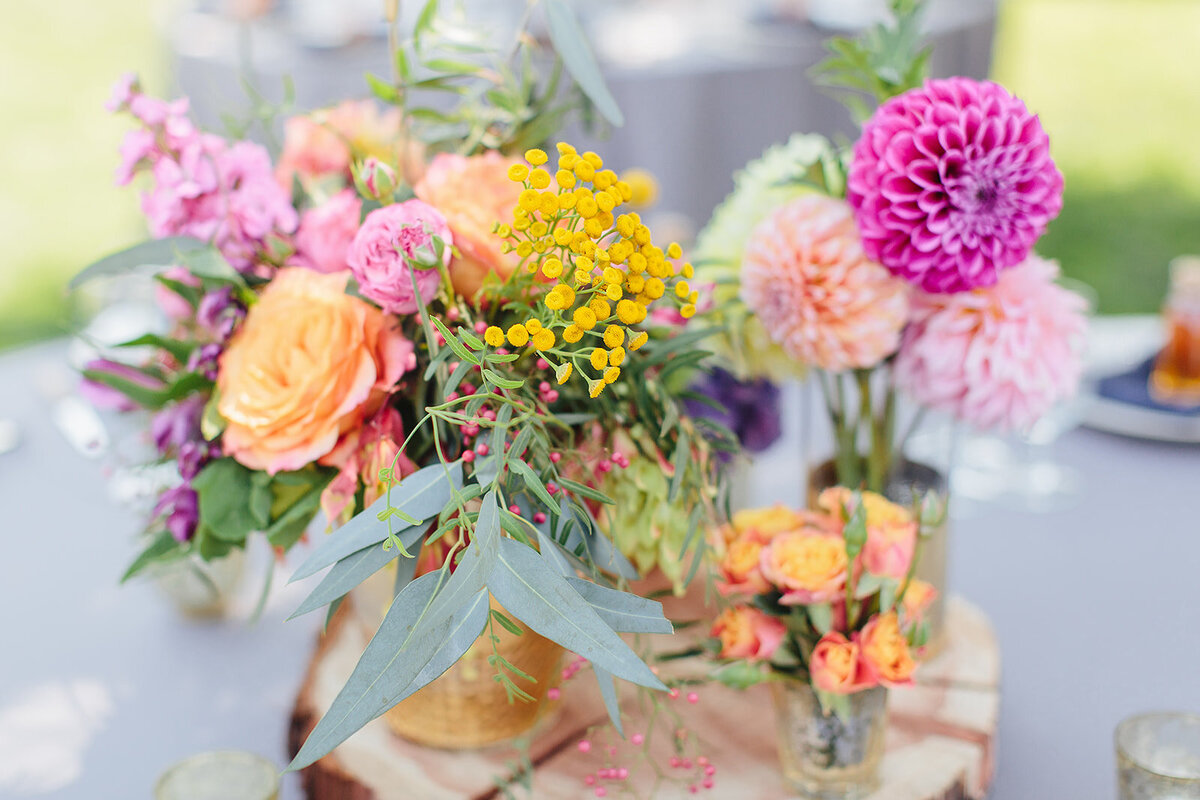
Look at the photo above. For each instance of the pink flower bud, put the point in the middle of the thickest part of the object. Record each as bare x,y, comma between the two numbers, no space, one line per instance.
584,746
378,179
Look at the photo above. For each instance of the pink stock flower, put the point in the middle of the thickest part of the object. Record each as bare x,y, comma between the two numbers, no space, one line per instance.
806,278
747,633
474,192
326,231
952,183
999,357
389,238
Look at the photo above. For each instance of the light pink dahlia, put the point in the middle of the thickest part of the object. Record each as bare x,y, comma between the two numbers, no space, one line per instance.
997,358
952,183
816,293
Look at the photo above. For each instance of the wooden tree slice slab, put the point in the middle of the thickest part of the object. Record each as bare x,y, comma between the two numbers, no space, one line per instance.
940,743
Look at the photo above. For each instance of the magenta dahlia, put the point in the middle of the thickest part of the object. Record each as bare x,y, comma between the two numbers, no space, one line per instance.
952,183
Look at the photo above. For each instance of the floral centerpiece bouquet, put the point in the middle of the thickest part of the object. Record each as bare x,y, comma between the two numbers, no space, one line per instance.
467,358
903,262
827,609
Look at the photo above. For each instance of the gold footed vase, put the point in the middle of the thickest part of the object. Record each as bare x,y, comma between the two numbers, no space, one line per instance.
466,707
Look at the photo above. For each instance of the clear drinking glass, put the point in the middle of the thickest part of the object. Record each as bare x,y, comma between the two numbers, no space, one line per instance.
830,756
1158,757
221,775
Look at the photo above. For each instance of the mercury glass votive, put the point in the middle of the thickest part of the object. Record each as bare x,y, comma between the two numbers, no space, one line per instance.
1158,756
220,775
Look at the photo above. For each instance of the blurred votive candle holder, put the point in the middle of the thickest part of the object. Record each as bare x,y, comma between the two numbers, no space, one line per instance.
1158,756
221,775
1175,379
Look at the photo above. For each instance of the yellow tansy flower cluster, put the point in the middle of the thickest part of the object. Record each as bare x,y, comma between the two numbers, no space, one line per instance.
601,266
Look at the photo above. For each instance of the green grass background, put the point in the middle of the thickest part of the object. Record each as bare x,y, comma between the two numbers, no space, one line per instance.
1116,82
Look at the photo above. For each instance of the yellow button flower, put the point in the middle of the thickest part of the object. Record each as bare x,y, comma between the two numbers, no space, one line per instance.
637,263
599,358
674,250
528,199
533,326
543,339
562,237
572,333
689,271
584,317
600,308
566,201
616,356
595,388
563,373
638,339
584,170
635,284
518,336
655,288
493,336
614,336
565,147
613,292
536,157
518,172
587,207
611,374
688,311
613,275
552,268
594,159
524,249
539,178
582,276
568,161
593,228
548,203
682,289
604,201
565,178
630,312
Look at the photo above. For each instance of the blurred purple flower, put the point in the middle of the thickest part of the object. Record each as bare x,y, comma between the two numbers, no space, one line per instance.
193,456
751,408
103,396
219,312
204,360
178,424
181,506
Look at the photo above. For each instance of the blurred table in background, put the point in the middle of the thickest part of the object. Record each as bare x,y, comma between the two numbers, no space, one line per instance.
103,687
705,85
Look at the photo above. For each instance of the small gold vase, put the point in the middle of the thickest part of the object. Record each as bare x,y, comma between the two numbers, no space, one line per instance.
466,708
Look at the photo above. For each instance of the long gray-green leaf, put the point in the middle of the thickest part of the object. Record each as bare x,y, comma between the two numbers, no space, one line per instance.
530,590
576,53
600,550
477,563
608,690
151,253
624,612
421,495
346,574
407,640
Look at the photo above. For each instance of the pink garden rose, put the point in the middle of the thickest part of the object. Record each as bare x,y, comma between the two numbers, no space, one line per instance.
326,231
747,633
816,293
996,358
891,530
837,666
379,255
474,192
952,183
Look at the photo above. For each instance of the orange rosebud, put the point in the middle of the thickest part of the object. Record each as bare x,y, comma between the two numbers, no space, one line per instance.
885,650
837,666
748,633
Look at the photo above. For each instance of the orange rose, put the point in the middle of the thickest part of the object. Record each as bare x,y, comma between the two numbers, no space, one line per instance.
918,597
473,193
309,363
325,142
891,530
837,666
740,569
807,566
748,633
885,650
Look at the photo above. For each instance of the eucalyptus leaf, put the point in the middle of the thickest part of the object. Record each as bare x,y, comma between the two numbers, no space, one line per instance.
346,574
422,495
160,546
153,252
608,691
532,592
572,46
600,551
740,674
622,611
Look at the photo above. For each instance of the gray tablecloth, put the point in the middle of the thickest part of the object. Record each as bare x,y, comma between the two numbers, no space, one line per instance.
1095,609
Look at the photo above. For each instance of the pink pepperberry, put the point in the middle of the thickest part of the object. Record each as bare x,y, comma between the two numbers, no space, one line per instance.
693,789
612,749
555,458
516,509
702,761
637,738
539,518
605,466
452,313
552,396
480,326
687,763
710,770
503,351
468,456
551,487
468,389
585,746
707,783
622,773
483,450
601,791
675,762
488,414
452,396
590,780
673,694
692,697
543,364
544,387
553,693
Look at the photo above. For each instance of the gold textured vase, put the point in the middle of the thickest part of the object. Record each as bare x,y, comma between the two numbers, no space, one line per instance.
466,707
